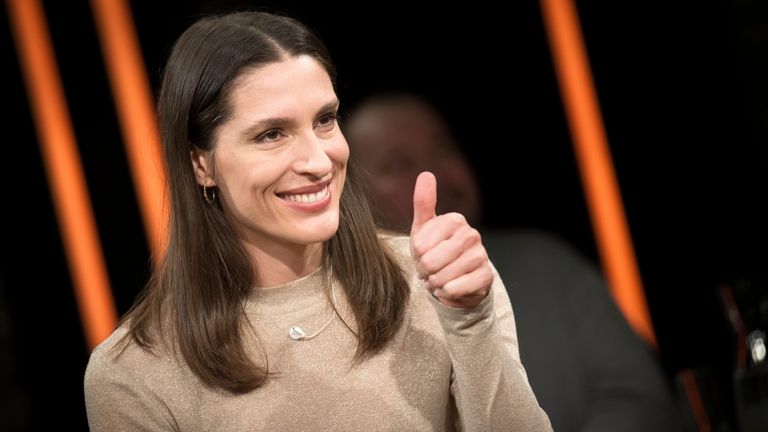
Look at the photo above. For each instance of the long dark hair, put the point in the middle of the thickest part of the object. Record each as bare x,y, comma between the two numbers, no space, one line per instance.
194,299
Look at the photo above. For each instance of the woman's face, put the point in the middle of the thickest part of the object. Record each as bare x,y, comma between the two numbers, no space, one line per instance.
279,161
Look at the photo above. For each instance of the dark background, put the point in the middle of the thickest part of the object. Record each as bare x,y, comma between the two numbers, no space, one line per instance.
684,97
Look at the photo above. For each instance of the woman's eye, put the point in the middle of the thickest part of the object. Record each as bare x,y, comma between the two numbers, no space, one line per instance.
327,120
269,136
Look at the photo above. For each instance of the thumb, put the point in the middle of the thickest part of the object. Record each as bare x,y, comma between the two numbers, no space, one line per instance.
424,199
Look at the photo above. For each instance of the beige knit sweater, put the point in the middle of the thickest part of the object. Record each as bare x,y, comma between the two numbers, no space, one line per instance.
447,369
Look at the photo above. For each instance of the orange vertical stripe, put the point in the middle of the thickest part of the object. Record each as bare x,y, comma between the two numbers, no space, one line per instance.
693,396
593,155
65,173
131,90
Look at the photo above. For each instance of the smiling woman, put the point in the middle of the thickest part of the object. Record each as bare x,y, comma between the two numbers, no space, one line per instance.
279,164
270,232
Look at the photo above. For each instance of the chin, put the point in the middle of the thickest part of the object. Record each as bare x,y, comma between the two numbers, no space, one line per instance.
317,233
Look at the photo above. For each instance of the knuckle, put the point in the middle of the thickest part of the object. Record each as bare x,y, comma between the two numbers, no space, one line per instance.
478,258
457,219
467,236
449,292
487,276
475,256
435,280
419,246
428,265
482,254
474,234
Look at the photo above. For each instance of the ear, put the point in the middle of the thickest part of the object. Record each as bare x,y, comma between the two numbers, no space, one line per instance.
202,165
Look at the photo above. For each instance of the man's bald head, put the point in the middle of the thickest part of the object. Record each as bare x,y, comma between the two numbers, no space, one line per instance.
394,138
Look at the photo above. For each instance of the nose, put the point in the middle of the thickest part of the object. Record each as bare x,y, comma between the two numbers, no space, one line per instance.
312,157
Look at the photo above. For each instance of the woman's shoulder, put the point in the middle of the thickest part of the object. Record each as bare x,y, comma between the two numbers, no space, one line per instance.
127,384
399,245
121,356
396,241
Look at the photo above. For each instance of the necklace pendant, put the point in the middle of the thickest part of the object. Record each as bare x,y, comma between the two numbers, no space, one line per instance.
296,333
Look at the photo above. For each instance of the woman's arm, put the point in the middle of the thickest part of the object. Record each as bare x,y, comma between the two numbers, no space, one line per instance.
489,382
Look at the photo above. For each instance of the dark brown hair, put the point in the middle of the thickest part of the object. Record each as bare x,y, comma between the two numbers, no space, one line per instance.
194,299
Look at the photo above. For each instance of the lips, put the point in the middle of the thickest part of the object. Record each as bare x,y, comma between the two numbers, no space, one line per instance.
307,194
307,198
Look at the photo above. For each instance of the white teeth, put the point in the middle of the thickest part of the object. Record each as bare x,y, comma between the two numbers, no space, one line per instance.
308,198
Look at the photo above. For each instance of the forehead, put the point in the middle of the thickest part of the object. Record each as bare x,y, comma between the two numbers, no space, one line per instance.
282,88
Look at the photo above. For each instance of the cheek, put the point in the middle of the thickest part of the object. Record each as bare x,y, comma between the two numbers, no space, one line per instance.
242,174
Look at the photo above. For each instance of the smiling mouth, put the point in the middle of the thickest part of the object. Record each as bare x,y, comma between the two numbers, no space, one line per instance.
307,198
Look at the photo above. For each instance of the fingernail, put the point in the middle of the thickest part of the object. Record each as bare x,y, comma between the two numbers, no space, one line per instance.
438,293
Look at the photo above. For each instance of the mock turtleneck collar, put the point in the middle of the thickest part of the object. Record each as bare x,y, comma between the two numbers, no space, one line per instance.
301,293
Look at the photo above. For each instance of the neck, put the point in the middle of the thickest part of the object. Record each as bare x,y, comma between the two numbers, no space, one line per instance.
279,264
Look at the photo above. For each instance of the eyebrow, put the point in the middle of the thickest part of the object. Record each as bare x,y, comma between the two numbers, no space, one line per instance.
273,122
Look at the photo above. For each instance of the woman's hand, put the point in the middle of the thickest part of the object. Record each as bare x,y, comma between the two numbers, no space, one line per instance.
449,254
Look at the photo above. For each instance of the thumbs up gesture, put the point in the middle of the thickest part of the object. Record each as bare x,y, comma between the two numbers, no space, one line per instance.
449,254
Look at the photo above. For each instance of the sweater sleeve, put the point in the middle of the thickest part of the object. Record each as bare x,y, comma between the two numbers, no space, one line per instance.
117,399
489,383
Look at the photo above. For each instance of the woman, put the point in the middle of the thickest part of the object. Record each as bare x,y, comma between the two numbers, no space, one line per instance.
278,306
